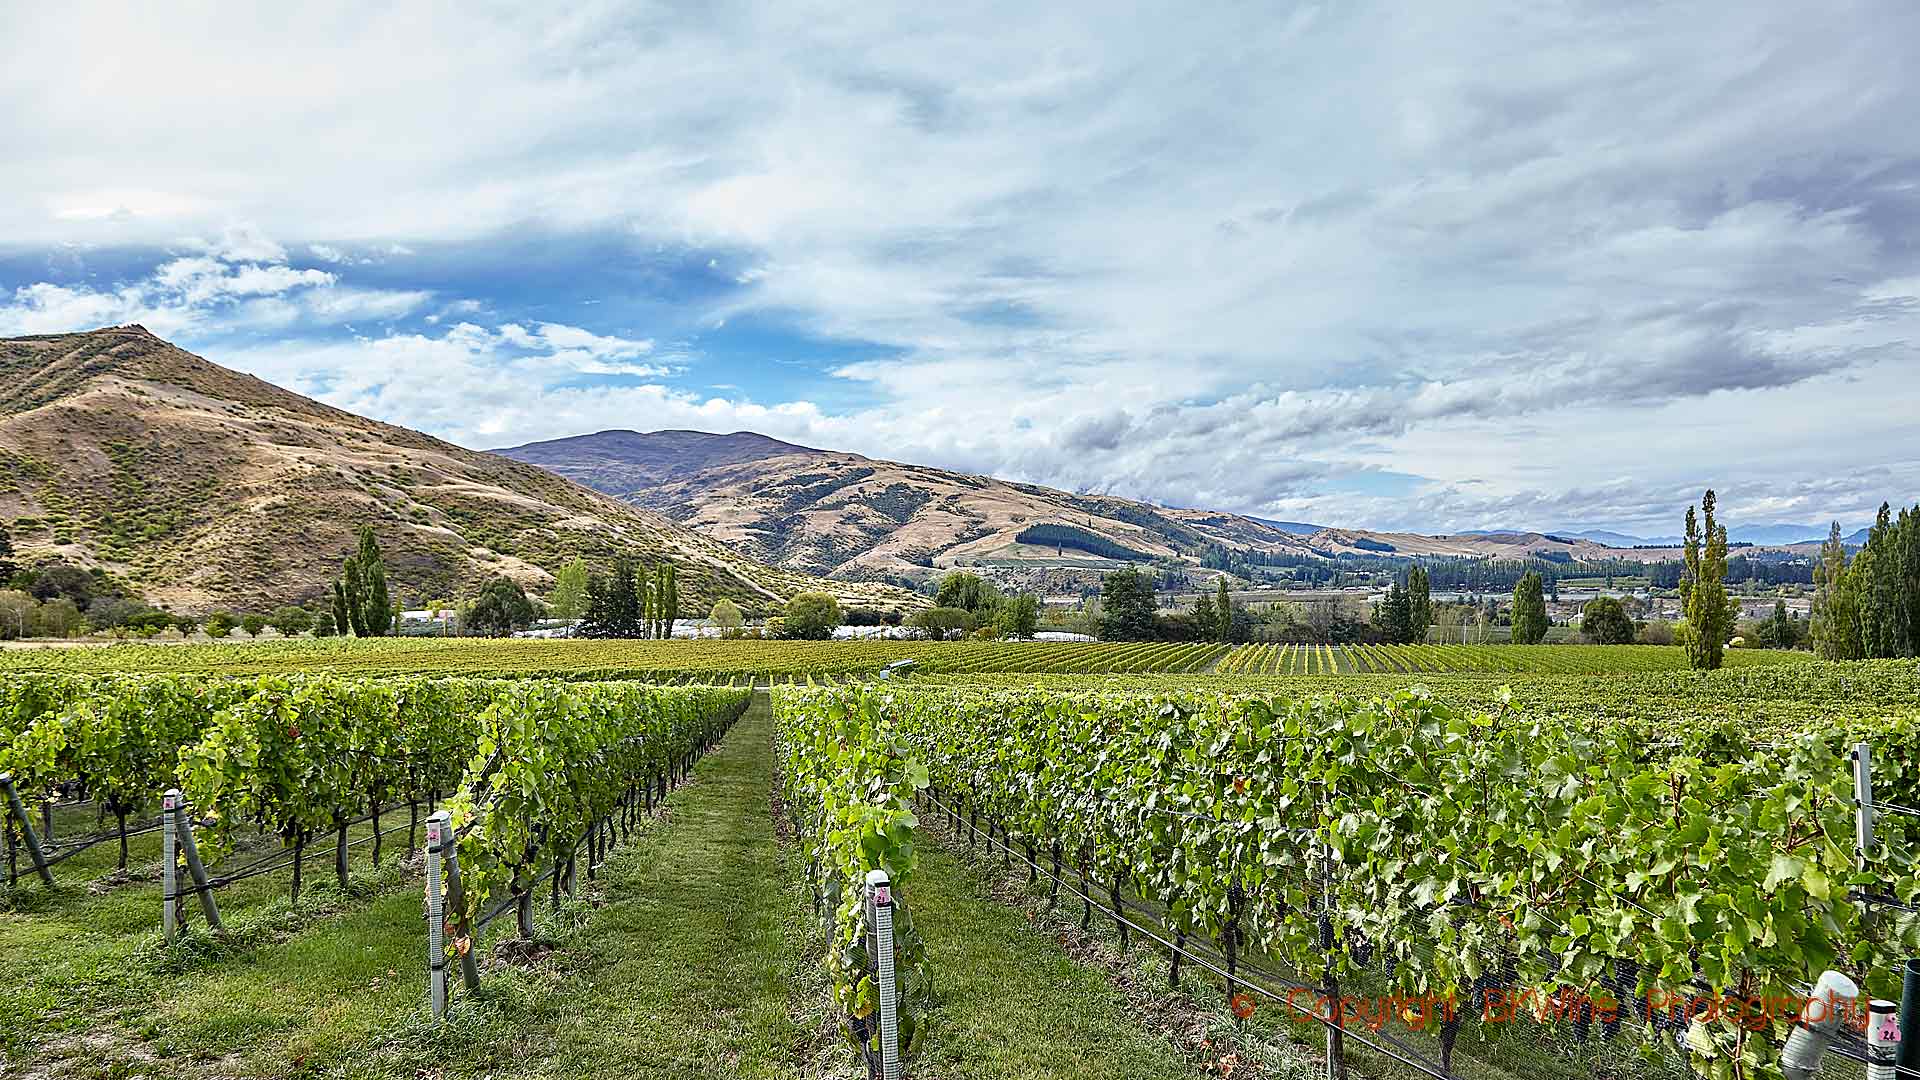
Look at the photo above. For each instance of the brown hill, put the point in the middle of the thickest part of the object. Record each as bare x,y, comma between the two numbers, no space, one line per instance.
202,487
853,517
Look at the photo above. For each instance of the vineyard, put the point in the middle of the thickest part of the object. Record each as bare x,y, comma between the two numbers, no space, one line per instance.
1415,849
1519,659
533,775
1408,822
709,660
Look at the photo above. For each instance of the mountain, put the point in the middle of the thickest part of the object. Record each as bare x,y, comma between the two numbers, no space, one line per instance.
1757,535
623,462
856,518
851,517
1604,536
201,487
1776,535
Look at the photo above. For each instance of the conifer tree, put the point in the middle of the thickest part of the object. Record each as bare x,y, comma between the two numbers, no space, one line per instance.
1204,626
1420,593
1529,610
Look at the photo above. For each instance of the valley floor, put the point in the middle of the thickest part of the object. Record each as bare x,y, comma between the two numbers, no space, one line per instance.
695,953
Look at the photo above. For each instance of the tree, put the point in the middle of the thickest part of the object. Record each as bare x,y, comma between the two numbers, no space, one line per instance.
811,616
1529,610
570,591
1420,601
1018,616
323,624
726,615
56,578
290,620
1394,615
941,623
1780,631
19,613
1703,590
1205,623
500,608
354,588
1884,589
1223,613
219,624
373,573
361,602
622,609
665,607
253,622
8,568
1604,621
1127,606
1835,622
342,614
969,591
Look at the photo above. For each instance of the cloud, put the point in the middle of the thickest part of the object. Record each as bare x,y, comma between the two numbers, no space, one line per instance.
198,293
1255,257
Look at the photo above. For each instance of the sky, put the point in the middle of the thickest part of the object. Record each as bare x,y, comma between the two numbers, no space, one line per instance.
1425,266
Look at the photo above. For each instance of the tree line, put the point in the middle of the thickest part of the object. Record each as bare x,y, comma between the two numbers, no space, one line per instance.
1868,606
967,603
631,600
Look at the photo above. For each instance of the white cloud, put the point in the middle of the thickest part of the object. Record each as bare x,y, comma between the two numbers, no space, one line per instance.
196,293
1299,249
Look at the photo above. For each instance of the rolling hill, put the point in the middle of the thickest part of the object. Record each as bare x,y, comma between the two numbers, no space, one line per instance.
201,487
851,517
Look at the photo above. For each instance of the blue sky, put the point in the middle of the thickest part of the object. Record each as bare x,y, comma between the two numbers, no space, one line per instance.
1439,266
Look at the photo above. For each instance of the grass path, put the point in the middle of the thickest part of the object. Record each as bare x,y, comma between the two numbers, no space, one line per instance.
1014,1003
685,970
695,954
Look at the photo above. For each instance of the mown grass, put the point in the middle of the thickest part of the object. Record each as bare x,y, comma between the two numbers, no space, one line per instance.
85,957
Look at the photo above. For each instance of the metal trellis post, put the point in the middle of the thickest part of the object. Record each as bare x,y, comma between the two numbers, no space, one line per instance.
880,917
169,872
437,826
1863,819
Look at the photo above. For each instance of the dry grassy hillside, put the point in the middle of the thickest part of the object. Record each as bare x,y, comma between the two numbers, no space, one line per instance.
858,518
203,487
853,517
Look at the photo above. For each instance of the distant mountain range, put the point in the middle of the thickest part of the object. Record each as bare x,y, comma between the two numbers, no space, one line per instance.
847,516
623,462
201,487
1778,535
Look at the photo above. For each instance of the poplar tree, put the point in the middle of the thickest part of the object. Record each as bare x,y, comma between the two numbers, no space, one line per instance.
342,616
355,589
670,607
373,575
1223,614
360,600
1834,625
1704,588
